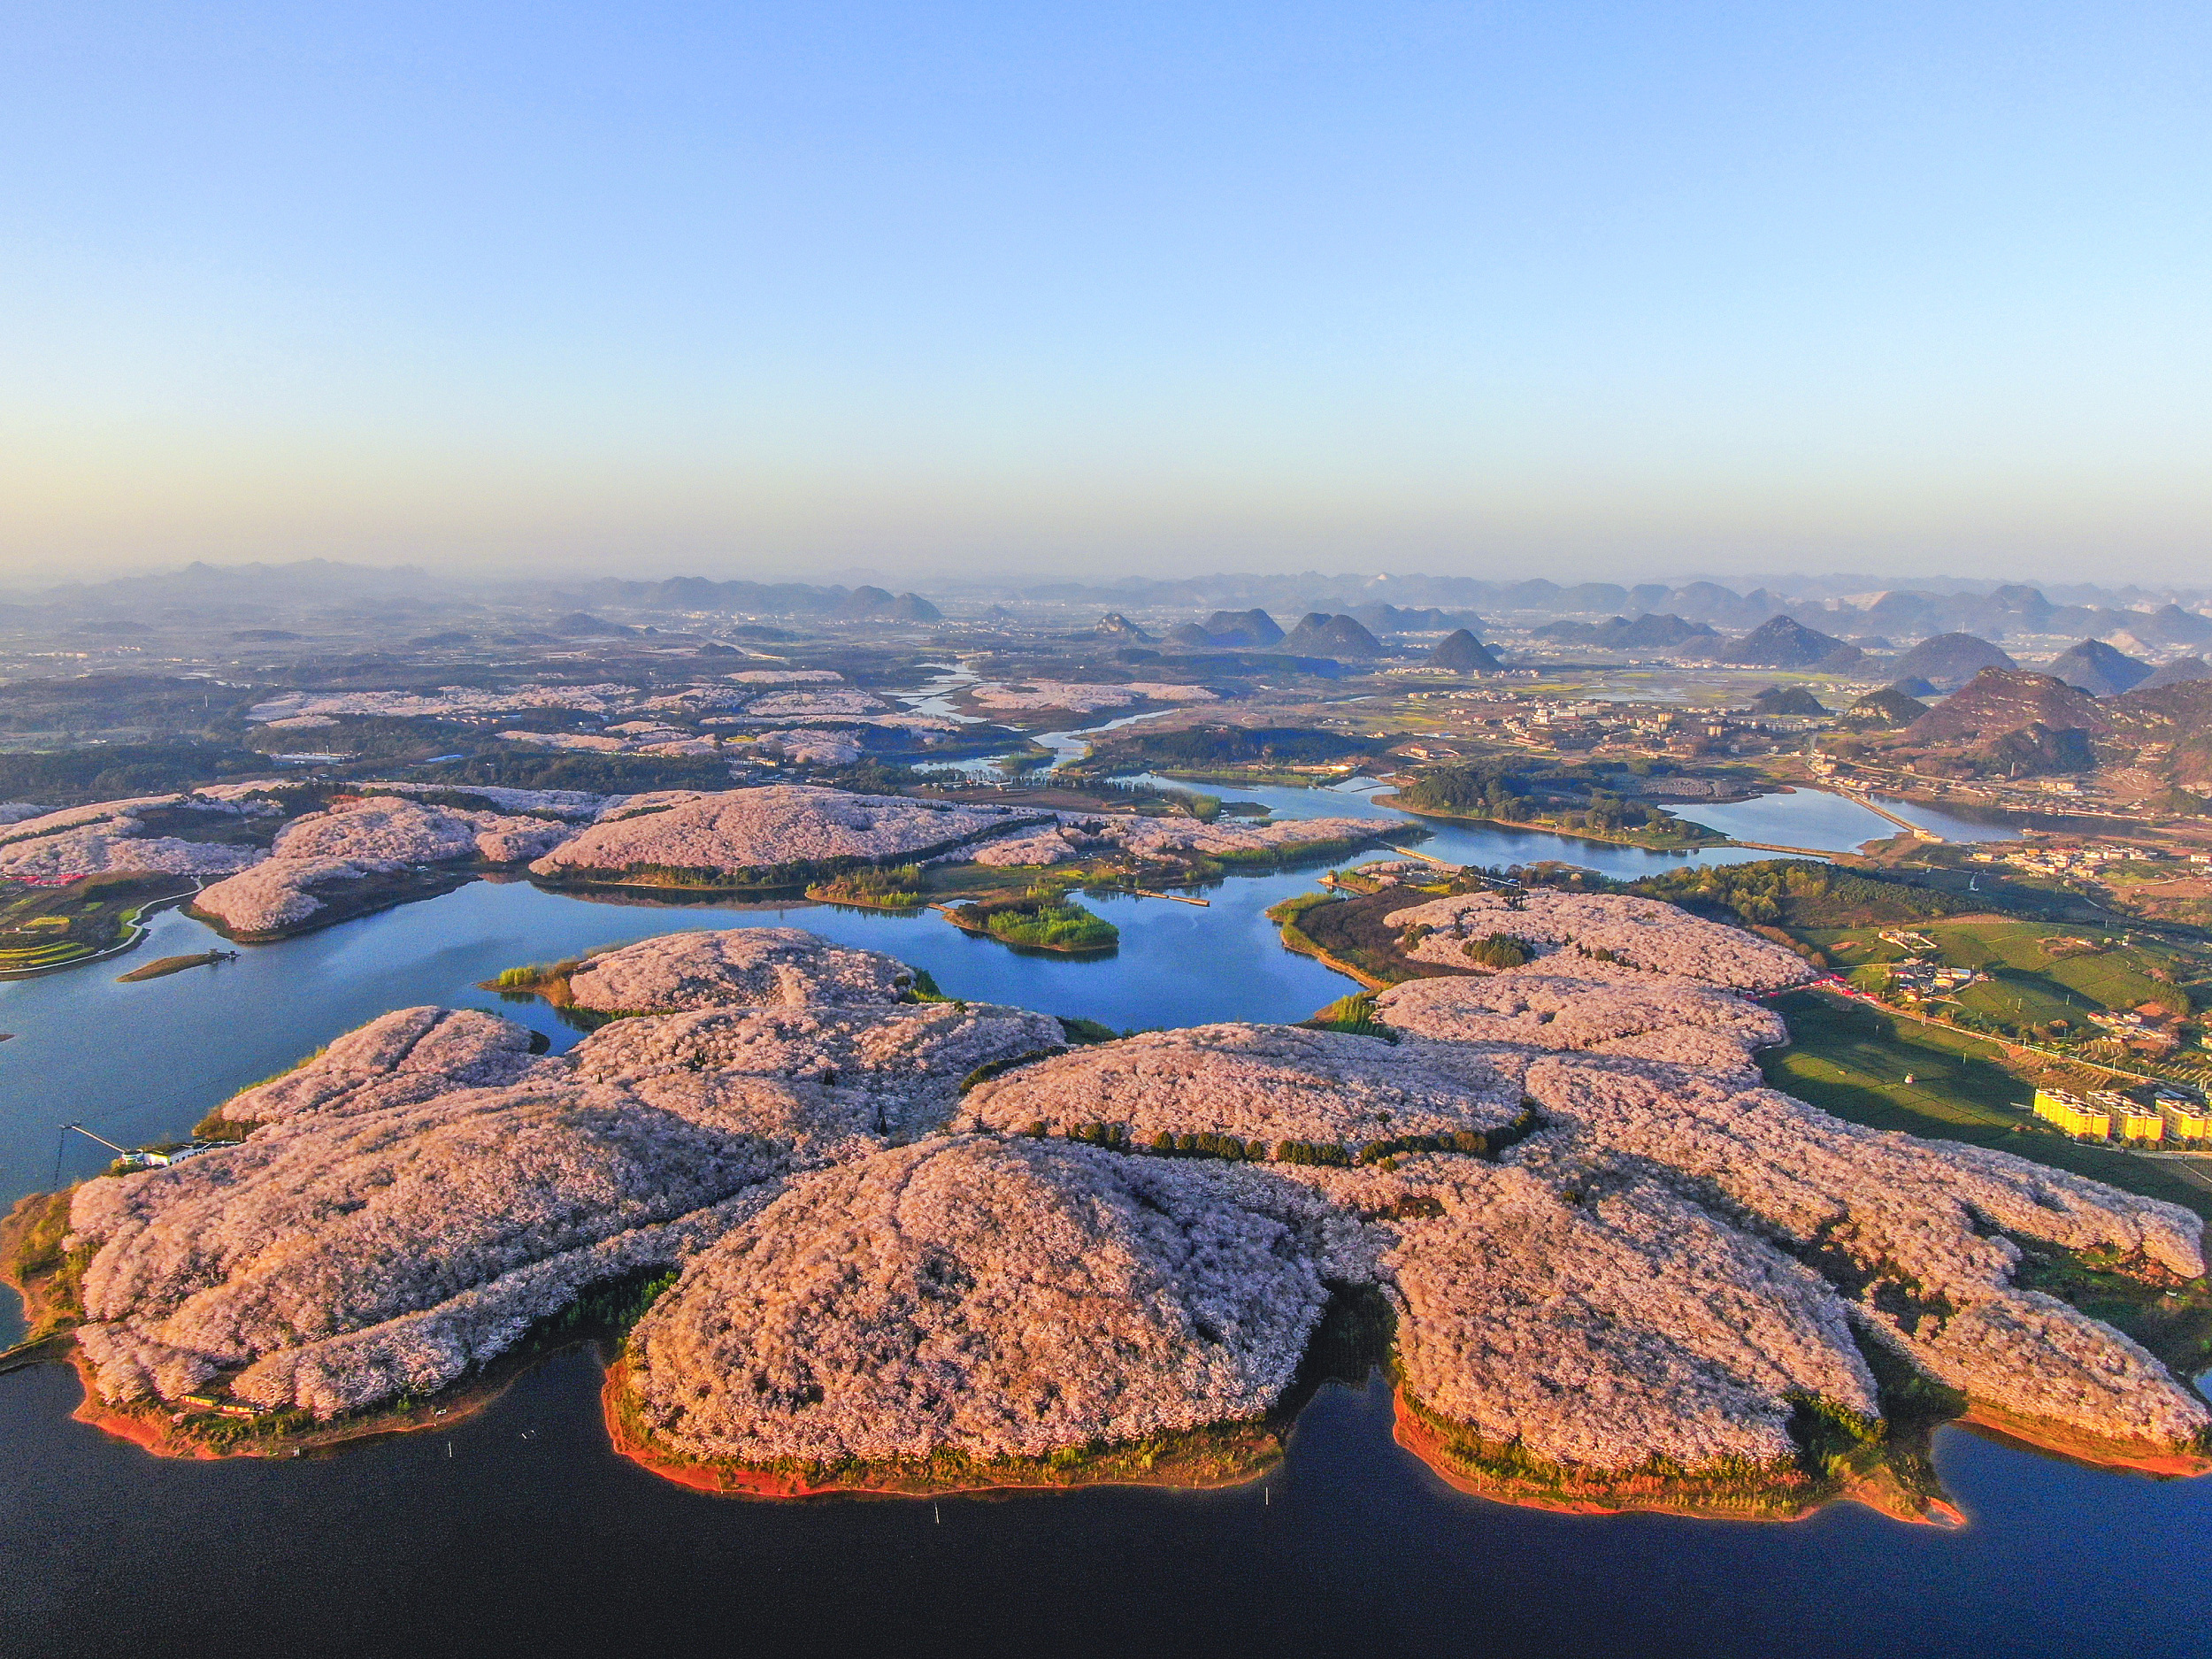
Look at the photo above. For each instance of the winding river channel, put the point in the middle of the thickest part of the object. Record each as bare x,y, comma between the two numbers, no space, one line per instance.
520,1529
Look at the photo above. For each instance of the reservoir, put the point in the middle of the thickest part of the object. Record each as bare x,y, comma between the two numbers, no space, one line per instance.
1827,822
520,1529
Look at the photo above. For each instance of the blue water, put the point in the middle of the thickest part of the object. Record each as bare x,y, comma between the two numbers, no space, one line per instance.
1831,823
1813,819
1953,826
140,1062
521,1531
1461,843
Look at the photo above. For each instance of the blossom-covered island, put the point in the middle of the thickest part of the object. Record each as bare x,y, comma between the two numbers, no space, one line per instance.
841,1233
265,861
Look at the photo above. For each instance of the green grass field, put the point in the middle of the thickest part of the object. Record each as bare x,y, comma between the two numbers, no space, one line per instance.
1853,1062
2023,999
2038,972
2117,976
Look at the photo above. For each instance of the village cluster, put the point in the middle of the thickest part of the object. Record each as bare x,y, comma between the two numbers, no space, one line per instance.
2084,861
1606,727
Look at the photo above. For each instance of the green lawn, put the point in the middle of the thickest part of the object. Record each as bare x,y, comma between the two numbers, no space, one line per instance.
2021,999
2037,971
1853,1062
2112,975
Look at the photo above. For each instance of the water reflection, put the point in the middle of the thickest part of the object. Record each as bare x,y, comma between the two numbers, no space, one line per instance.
934,696
1460,843
520,1530
1828,822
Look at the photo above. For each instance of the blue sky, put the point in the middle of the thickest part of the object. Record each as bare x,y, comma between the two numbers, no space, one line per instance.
1519,289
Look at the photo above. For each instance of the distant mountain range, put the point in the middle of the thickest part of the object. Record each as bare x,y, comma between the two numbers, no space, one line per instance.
796,599
2015,722
2136,622
1385,604
1391,619
1648,631
1786,642
1947,661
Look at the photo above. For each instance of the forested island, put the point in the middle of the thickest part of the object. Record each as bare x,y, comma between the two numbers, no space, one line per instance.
1045,920
1570,800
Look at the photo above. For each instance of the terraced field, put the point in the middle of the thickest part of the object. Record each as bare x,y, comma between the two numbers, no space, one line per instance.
45,928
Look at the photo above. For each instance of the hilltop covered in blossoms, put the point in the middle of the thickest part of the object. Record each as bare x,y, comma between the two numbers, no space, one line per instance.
1016,1297
1076,836
1914,1227
1569,1001
1262,1083
742,967
405,1203
276,858
1642,933
788,706
453,701
1077,698
901,1067
1600,1333
1618,1269
761,830
358,838
116,836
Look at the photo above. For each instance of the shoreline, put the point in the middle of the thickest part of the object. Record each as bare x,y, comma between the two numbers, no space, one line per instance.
1878,1488
1413,1430
2058,1440
162,967
739,1481
135,929
1215,1458
344,903
846,902
1101,949
800,876
154,1428
1392,801
1289,914
1296,940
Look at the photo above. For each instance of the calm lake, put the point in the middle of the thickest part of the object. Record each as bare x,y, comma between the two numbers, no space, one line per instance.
520,1530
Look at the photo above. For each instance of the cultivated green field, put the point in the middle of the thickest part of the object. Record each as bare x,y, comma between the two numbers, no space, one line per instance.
45,928
2037,973
1853,1062
2116,969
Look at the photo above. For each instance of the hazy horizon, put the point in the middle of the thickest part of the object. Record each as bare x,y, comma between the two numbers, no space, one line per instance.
1592,292
1837,585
